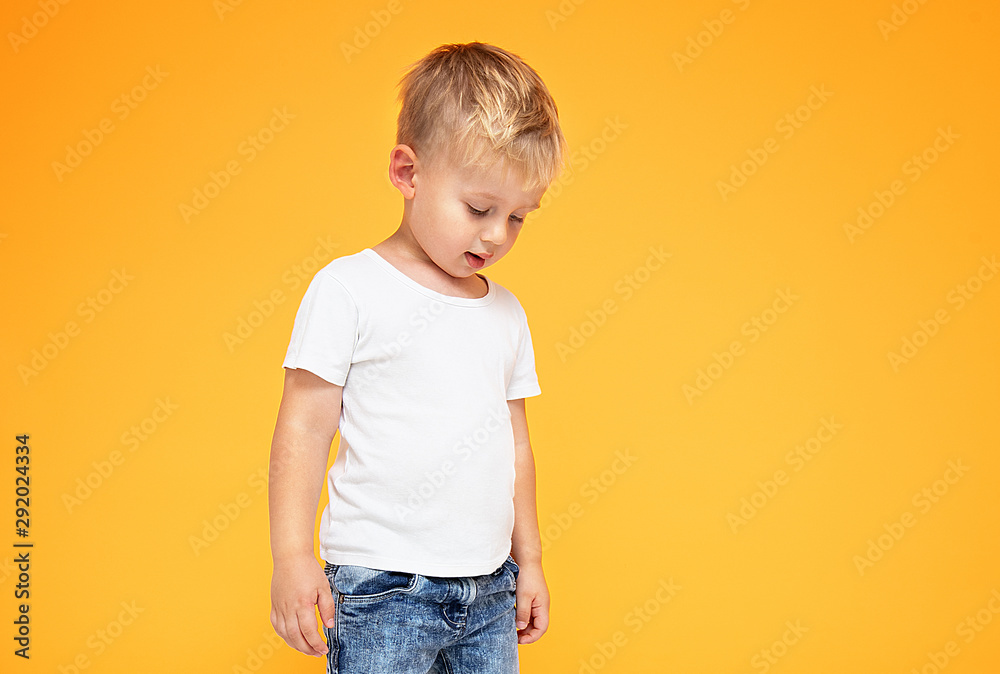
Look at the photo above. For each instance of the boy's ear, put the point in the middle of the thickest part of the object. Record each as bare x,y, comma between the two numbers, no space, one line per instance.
402,169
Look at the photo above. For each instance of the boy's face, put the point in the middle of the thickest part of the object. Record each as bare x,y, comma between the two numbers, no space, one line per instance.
465,220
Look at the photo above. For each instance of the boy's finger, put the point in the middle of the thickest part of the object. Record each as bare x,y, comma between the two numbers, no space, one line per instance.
528,636
307,627
327,607
523,612
532,634
541,621
293,635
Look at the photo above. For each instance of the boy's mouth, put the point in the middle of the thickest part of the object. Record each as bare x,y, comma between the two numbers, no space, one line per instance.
474,260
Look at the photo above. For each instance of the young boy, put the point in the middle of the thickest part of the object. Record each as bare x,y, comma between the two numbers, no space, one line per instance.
423,364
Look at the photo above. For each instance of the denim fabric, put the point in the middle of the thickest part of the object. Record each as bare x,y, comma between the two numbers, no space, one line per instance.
390,622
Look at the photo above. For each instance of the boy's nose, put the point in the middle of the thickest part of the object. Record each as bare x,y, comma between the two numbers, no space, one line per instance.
496,232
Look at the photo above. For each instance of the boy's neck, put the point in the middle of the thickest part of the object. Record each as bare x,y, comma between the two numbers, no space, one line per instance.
403,253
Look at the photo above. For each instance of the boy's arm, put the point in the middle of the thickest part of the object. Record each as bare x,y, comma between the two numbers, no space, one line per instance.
307,421
526,544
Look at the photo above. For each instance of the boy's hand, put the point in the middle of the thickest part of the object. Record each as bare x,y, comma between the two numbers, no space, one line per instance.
532,603
298,587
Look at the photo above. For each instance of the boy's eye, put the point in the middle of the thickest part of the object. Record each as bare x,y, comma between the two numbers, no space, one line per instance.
476,211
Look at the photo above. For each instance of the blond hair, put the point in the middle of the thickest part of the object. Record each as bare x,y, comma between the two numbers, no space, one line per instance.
477,104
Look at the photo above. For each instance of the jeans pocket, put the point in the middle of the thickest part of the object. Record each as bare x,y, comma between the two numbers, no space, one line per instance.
362,584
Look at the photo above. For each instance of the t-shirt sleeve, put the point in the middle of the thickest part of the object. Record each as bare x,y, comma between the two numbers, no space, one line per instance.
325,330
524,381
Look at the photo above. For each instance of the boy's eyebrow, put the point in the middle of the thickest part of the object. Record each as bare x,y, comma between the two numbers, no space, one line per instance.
490,195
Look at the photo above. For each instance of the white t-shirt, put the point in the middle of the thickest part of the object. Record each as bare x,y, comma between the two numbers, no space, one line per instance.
423,480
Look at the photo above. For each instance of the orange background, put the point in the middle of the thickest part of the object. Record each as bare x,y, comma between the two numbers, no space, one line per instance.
838,563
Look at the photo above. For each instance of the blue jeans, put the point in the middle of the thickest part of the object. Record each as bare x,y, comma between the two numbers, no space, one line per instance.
391,622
